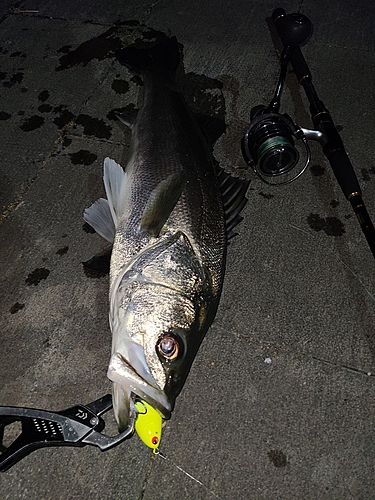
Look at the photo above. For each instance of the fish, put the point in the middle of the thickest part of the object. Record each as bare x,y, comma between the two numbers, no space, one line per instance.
169,215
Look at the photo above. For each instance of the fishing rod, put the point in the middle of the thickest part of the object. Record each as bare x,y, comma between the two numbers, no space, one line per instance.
268,145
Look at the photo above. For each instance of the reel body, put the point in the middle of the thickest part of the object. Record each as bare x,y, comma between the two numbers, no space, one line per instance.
268,145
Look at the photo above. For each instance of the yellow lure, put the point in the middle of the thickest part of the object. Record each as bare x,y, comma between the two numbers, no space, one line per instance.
148,425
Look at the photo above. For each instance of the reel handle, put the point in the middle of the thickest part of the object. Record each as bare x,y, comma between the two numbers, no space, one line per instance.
293,29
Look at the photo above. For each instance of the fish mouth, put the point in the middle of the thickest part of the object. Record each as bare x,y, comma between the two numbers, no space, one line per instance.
131,380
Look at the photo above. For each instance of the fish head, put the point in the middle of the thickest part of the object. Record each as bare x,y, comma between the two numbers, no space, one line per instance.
152,358
158,320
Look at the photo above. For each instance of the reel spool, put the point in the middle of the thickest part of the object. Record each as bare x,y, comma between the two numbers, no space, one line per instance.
268,146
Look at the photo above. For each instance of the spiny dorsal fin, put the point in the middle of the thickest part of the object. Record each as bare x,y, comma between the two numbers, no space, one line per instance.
233,192
162,201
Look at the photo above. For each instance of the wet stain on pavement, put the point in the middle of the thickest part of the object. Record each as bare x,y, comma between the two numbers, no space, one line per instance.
278,458
4,115
267,196
65,49
334,203
36,276
332,226
83,157
150,34
15,78
317,170
93,273
16,307
100,47
366,173
64,117
66,142
62,251
44,96
203,94
94,126
19,54
127,110
120,86
32,123
45,108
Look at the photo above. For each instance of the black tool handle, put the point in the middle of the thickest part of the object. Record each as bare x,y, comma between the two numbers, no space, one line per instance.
40,428
36,433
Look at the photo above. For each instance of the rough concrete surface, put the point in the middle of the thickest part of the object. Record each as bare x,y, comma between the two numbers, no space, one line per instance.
280,400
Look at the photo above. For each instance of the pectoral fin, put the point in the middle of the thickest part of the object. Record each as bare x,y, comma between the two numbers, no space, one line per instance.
127,118
162,201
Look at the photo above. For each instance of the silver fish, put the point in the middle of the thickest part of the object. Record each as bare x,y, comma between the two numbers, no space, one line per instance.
169,215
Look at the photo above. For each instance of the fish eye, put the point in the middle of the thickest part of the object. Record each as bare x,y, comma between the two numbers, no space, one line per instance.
169,347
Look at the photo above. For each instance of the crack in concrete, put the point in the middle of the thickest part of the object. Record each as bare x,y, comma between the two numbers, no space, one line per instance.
358,279
339,259
64,132
18,202
67,129
147,477
187,474
149,10
281,347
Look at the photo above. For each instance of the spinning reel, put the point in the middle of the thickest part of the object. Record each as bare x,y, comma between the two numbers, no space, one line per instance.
269,144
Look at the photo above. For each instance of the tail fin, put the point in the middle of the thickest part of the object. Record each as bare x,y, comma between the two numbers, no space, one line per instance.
165,54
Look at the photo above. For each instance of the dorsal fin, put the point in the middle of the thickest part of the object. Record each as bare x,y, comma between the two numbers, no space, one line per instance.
233,192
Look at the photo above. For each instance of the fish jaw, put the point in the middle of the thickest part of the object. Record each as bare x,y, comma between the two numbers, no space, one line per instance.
127,384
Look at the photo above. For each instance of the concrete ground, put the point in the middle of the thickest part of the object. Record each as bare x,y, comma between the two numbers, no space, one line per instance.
280,400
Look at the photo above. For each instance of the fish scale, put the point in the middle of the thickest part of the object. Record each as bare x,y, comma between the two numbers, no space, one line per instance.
177,144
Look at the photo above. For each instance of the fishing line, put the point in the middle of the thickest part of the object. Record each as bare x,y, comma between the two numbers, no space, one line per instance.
160,454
